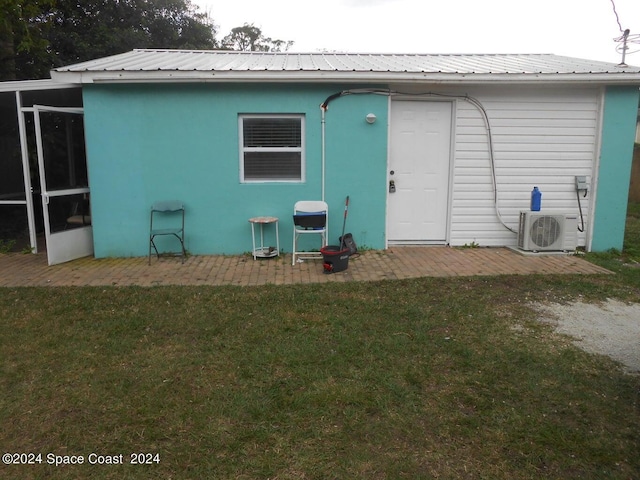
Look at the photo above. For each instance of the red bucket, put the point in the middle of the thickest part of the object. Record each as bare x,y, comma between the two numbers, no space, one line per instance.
335,258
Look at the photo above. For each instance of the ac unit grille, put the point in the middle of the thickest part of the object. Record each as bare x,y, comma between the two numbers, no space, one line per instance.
546,232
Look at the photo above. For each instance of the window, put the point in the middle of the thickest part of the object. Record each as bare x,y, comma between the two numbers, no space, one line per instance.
271,148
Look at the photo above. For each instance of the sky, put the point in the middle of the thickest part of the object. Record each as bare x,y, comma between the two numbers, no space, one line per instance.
576,28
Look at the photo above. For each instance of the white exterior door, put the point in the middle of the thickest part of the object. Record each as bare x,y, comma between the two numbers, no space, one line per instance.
418,172
63,182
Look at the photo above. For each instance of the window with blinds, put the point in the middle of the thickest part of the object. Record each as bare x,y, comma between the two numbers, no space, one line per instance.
271,148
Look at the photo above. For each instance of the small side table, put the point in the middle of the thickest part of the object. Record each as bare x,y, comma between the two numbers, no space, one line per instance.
262,251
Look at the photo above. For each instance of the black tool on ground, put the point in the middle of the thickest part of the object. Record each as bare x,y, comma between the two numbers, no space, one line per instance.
336,258
346,240
349,243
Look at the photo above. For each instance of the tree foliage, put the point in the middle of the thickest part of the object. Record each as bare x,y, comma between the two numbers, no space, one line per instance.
250,38
38,35
20,40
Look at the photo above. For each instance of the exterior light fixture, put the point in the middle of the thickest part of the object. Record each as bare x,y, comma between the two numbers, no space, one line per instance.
370,118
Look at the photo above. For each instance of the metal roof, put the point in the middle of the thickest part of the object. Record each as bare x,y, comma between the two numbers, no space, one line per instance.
28,85
146,65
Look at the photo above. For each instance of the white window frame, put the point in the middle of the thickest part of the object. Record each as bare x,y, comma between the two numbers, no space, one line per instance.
301,149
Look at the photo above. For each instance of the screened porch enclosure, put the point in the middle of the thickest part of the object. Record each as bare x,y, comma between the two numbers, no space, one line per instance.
22,220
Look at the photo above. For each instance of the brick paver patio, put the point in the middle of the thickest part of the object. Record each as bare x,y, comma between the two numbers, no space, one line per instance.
18,269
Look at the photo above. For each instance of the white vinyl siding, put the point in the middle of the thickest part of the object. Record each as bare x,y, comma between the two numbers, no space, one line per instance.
542,137
271,148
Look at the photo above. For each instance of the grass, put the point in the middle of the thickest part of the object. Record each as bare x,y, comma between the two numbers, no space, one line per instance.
632,232
425,378
6,245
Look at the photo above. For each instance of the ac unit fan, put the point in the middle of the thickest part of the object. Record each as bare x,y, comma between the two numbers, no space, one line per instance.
547,232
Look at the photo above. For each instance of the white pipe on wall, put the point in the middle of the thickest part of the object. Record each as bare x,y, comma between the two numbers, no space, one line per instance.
323,151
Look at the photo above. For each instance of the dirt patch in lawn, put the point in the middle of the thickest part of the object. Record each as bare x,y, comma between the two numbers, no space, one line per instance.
611,328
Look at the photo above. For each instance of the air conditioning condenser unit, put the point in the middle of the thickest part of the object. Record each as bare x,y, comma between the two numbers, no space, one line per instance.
540,232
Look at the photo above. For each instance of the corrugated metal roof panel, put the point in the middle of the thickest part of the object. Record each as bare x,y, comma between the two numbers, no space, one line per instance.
27,85
245,64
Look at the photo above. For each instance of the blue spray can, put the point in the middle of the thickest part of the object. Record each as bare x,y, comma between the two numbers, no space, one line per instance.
536,199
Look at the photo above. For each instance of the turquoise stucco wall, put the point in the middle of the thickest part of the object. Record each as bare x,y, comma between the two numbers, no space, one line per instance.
151,142
616,153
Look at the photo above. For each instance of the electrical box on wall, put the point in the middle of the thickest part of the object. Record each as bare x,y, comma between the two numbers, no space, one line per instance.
581,182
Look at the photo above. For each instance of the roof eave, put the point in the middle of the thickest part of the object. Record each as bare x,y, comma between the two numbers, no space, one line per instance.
30,85
177,76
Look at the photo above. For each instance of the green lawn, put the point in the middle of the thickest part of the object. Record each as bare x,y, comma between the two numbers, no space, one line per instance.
426,378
